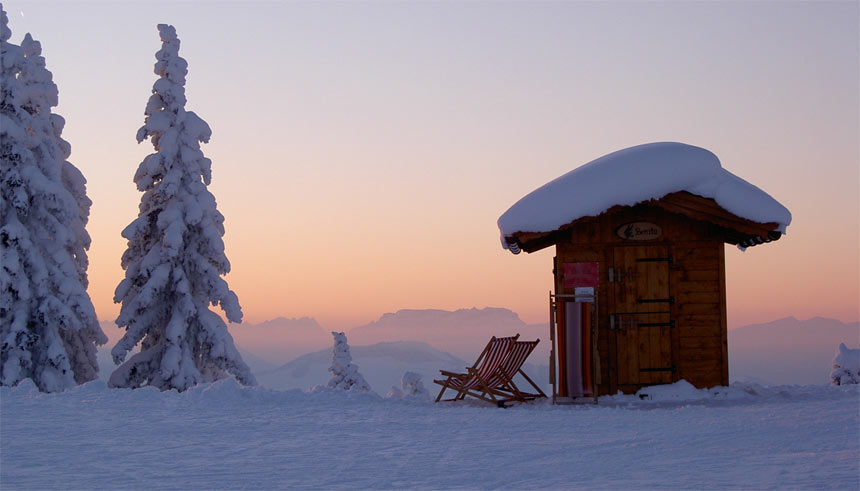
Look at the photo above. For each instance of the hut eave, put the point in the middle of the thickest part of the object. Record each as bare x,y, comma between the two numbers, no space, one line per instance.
736,230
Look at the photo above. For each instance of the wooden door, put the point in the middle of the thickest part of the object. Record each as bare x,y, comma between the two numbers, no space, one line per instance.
641,316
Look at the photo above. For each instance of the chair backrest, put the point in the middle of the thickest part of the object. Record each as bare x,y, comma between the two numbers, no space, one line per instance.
515,360
496,352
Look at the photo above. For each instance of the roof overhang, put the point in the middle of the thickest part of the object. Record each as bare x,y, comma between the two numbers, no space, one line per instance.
735,230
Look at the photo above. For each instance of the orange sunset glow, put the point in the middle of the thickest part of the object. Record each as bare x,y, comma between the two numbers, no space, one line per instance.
363,153
429,244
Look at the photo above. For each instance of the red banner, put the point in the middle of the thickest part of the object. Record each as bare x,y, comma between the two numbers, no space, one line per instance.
580,274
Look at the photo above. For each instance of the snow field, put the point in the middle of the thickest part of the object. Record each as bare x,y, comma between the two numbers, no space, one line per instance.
225,436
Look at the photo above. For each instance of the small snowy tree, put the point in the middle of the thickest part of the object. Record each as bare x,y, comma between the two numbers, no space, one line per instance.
846,366
411,388
48,327
175,255
344,374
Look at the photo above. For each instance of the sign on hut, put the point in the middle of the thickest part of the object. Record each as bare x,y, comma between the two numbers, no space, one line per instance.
640,286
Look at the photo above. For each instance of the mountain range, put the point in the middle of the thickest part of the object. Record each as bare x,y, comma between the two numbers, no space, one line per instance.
463,332
280,340
788,351
288,353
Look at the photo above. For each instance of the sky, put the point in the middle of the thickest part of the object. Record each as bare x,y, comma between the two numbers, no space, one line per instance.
363,151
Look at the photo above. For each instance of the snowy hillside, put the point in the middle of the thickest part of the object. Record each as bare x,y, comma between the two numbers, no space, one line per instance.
382,364
789,351
222,436
463,332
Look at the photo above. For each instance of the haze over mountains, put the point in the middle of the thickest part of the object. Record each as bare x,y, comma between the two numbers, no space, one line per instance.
463,332
281,339
381,364
789,351
287,353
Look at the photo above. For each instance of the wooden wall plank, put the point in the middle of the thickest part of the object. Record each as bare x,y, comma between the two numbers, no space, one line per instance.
705,297
698,308
712,343
686,331
690,354
723,316
696,275
696,282
697,286
698,320
711,366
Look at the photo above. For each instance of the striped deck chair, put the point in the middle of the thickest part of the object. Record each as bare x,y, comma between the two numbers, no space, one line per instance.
476,382
503,381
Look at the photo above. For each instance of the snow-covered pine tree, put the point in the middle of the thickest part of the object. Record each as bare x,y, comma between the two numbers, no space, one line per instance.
846,366
175,255
344,374
40,95
413,388
48,326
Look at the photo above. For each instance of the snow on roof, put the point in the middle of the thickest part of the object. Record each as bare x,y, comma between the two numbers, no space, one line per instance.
634,175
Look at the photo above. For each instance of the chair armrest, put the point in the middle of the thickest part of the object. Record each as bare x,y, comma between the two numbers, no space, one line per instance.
452,374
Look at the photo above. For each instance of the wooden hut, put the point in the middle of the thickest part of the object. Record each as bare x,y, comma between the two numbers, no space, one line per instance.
641,232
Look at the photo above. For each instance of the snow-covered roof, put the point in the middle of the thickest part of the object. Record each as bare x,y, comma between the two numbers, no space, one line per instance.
633,175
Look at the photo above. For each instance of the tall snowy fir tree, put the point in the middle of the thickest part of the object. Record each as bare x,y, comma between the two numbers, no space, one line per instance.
40,94
48,326
175,256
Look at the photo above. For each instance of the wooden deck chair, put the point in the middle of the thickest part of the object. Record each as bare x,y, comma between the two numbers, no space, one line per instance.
503,382
476,382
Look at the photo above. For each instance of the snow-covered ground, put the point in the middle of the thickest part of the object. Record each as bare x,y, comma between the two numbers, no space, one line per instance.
223,436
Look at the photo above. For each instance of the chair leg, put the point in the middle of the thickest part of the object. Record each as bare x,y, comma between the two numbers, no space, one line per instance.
445,386
532,382
516,394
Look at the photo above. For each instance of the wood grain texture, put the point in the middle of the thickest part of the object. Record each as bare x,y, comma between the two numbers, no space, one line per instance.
685,264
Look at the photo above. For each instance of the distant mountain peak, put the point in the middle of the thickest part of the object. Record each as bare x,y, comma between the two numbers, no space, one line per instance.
443,314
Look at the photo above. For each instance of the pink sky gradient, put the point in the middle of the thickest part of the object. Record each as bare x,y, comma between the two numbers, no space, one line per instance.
363,152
